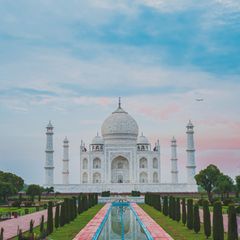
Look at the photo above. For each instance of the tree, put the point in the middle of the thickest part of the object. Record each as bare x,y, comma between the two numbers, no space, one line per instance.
206,219
207,179
224,185
165,205
218,231
177,210
1,234
49,190
190,214
50,218
56,219
232,223
42,224
16,181
31,226
184,214
62,215
34,190
6,190
196,219
237,185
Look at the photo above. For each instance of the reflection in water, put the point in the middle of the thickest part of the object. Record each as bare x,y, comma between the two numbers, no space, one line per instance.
122,224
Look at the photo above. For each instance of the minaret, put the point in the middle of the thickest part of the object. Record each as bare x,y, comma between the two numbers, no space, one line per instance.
49,166
174,171
65,172
191,166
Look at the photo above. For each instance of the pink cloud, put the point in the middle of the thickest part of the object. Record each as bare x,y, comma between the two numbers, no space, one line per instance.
156,113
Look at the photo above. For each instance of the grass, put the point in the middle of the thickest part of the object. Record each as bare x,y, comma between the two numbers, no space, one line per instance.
69,231
20,211
176,230
72,229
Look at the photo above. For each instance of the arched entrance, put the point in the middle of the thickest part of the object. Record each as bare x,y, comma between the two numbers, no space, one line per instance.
120,170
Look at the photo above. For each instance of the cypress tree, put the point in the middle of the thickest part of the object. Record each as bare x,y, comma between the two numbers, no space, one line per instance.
173,208
62,215
79,204
66,208
232,223
1,234
165,205
31,226
177,210
50,218
206,219
70,210
218,231
160,203
196,219
75,207
42,224
190,214
20,235
57,216
184,214
170,207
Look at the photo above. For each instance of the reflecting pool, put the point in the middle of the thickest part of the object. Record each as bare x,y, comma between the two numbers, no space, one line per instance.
122,224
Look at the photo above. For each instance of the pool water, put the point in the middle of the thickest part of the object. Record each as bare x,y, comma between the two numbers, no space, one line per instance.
122,223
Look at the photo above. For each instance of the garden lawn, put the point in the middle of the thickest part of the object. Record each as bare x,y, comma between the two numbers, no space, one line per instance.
176,230
69,231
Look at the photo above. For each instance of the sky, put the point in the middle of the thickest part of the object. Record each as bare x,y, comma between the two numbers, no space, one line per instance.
69,61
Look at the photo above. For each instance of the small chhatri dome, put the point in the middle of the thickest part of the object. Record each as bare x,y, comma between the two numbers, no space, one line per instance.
190,125
49,125
120,125
97,140
65,140
142,140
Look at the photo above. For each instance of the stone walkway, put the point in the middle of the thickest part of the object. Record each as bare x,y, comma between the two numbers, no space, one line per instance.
225,220
90,229
155,230
11,226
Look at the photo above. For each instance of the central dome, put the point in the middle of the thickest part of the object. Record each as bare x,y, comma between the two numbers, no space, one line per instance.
120,125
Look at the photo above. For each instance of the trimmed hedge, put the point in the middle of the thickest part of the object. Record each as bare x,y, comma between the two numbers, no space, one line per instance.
206,219
218,231
232,223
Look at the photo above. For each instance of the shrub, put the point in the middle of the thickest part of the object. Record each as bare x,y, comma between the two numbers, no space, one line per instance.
28,203
196,219
206,219
227,201
184,214
16,203
106,194
232,223
56,219
190,214
135,193
1,234
50,218
26,211
200,202
218,231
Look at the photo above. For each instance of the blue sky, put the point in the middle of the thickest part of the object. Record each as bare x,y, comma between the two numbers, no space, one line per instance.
69,61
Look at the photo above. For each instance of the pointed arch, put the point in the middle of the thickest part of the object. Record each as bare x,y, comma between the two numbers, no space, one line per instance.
155,163
143,177
143,163
85,163
155,177
96,177
85,177
96,163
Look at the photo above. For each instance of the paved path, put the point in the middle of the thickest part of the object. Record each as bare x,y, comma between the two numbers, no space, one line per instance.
225,221
155,230
90,229
11,226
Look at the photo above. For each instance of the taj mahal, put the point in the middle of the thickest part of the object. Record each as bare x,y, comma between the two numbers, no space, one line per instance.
121,160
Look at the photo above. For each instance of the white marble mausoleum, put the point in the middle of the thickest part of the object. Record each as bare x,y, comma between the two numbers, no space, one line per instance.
121,160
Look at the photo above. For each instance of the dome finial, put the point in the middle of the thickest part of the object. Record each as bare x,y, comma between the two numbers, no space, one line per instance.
119,102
